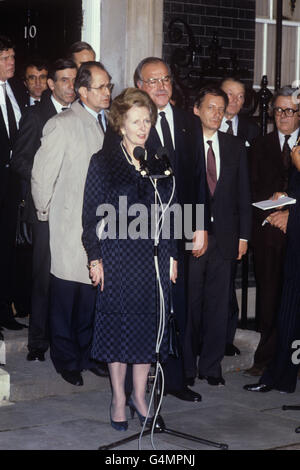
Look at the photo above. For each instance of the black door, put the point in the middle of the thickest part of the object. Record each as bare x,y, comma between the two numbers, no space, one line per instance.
44,28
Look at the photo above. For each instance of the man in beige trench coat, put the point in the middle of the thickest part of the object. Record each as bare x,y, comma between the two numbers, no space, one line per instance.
58,178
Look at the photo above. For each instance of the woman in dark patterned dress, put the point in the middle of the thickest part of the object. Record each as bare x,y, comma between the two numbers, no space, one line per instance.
126,314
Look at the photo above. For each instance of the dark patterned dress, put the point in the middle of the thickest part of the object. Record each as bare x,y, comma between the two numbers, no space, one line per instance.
126,311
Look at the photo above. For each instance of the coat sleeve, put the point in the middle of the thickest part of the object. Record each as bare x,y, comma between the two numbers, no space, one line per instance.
46,167
245,210
94,196
26,145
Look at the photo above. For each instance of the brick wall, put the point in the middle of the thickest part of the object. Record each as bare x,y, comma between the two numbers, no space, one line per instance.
233,23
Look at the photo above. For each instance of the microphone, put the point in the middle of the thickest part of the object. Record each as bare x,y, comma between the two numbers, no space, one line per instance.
139,154
163,154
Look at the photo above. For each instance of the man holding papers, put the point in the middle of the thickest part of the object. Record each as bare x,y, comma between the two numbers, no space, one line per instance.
281,373
270,168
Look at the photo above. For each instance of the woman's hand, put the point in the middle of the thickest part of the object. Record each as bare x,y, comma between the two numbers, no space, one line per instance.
97,273
174,272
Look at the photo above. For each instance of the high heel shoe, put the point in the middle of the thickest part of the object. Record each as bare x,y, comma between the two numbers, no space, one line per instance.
133,409
118,425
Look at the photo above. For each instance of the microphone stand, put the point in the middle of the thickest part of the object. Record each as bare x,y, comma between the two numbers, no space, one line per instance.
160,426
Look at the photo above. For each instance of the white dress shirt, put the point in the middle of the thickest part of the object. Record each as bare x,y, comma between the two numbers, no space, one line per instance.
291,141
224,126
15,106
58,106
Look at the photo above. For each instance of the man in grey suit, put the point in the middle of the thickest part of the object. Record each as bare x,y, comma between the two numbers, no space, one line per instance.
58,178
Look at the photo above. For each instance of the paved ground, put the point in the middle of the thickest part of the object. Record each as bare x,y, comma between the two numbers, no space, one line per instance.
45,412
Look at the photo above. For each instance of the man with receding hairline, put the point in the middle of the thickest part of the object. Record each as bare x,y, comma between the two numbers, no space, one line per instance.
176,130
57,181
236,123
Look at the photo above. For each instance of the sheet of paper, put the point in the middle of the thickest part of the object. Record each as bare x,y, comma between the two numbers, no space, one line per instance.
269,204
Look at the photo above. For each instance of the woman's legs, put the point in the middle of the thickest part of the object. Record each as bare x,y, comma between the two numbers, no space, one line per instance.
139,377
117,371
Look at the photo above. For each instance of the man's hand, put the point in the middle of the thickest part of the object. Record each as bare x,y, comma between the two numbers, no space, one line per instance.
277,195
279,219
295,156
200,242
243,247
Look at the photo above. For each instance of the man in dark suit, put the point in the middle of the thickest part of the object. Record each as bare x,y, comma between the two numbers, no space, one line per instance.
59,97
270,168
210,274
281,373
175,129
236,123
35,80
81,52
12,103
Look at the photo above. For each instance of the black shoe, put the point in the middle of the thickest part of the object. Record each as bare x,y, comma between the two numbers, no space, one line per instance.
12,324
254,371
100,370
185,394
258,388
36,355
215,381
212,380
74,377
21,314
190,381
232,350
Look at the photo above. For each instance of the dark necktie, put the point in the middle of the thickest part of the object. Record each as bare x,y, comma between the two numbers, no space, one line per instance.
211,170
36,102
168,142
230,129
286,160
286,153
12,123
100,119
64,109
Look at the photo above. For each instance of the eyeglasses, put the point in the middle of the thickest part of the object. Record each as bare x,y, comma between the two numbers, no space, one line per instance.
109,87
289,112
153,82
34,78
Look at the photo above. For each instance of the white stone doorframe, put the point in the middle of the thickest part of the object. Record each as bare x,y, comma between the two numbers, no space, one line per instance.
91,28
122,32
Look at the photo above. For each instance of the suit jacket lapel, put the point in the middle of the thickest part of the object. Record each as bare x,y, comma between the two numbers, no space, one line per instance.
242,128
153,141
222,152
3,130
